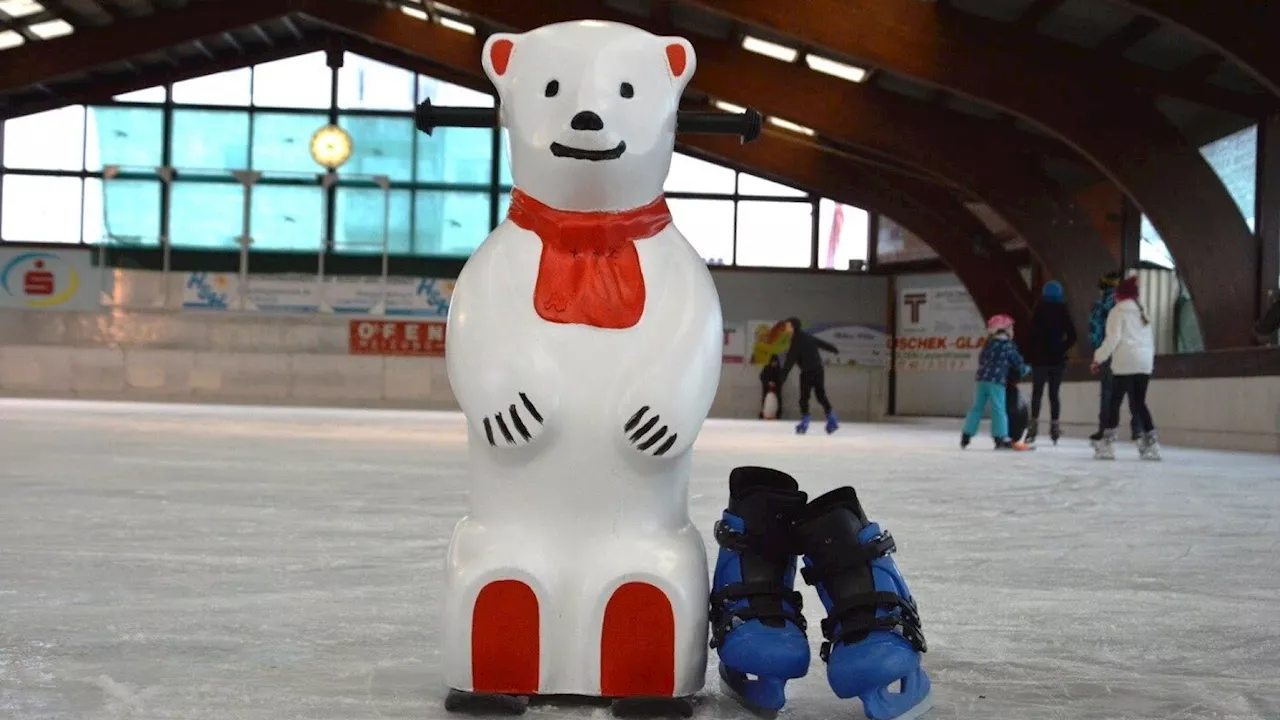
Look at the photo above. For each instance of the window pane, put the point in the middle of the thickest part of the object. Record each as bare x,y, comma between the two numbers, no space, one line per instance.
689,174
130,137
287,217
360,216
708,225
1235,160
380,146
456,155
206,214
146,95
282,142
504,204
755,185
122,211
40,209
774,234
898,244
446,93
225,88
365,84
504,160
304,81
210,140
52,140
842,234
1152,248
451,224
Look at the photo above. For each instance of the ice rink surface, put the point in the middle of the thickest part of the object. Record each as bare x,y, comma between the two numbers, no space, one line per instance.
234,563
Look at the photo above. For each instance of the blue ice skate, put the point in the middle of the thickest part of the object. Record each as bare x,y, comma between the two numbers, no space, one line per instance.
803,426
832,423
756,626
872,629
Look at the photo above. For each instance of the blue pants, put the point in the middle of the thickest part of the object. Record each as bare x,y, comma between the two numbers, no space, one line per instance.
994,394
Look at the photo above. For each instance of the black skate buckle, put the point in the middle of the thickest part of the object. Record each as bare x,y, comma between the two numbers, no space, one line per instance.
853,629
777,545
724,619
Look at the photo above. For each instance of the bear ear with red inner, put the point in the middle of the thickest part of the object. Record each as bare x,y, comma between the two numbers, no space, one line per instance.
680,59
499,51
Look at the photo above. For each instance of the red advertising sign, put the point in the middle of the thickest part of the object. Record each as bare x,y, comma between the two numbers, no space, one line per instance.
396,337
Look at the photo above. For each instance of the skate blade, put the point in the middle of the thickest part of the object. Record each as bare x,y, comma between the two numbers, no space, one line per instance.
644,707
737,691
461,701
917,711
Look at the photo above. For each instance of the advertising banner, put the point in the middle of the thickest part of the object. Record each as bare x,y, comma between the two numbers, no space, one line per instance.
859,343
396,337
735,343
939,330
405,297
39,279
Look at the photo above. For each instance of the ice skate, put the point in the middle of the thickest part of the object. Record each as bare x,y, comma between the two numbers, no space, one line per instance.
1033,428
802,427
1105,448
965,438
832,423
1149,446
1011,444
756,625
872,629
1055,431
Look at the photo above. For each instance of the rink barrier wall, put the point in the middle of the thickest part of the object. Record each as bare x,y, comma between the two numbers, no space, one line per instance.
144,346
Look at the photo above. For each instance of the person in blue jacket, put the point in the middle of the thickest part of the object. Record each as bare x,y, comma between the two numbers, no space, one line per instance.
999,357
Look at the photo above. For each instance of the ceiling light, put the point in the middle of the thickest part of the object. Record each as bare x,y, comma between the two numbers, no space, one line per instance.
447,8
851,73
729,107
9,39
52,29
788,125
457,25
20,8
773,50
414,12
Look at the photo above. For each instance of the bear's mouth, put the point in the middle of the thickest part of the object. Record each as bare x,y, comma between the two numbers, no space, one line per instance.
574,153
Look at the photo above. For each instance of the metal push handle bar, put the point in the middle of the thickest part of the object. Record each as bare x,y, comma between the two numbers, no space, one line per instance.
746,125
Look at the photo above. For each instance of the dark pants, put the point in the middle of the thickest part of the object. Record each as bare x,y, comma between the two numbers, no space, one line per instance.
813,381
1104,404
1041,376
1134,386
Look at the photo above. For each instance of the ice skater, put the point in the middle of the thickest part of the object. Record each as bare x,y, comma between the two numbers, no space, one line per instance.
1129,346
771,383
1052,337
804,351
1097,330
999,357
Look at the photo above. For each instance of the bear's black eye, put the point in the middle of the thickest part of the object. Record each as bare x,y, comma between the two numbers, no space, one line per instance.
627,90
553,87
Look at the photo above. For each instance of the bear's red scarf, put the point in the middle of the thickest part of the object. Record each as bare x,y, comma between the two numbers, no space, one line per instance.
589,272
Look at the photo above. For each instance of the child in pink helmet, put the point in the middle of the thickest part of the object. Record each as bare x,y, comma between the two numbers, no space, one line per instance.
999,357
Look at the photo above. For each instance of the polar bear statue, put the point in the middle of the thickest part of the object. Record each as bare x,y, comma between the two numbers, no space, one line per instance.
584,345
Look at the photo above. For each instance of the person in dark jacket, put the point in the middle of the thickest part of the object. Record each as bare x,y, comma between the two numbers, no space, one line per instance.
771,382
804,352
1052,337
1097,332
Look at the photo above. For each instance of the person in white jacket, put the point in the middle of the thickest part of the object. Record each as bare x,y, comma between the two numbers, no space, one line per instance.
1130,346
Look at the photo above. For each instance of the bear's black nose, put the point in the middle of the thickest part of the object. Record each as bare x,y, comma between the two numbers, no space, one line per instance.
586,120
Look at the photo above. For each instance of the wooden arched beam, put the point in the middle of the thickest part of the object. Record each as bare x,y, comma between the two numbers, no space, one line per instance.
986,271
1116,127
989,161
1243,31
938,218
